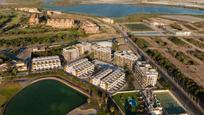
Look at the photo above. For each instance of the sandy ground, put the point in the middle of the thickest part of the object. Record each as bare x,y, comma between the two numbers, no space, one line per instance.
79,111
192,71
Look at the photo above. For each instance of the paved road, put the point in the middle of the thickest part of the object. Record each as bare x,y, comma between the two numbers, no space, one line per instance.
191,107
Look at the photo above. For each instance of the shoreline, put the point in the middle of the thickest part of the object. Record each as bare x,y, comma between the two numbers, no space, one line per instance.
32,81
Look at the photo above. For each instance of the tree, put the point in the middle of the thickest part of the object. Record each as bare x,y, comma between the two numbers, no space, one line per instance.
112,109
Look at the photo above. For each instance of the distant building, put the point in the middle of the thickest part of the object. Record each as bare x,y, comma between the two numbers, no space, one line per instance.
4,67
107,20
46,63
113,81
21,66
147,75
125,58
183,33
61,23
84,47
96,79
30,10
39,49
34,19
74,52
89,27
70,53
80,68
102,53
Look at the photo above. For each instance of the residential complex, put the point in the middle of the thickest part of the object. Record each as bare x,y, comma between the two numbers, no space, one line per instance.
61,23
70,53
84,47
46,63
80,68
147,75
74,52
96,79
125,58
102,53
113,81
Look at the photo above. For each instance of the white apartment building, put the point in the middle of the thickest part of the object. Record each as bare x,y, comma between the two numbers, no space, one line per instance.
125,58
113,81
96,79
80,68
74,52
70,53
46,63
147,75
102,53
21,66
84,47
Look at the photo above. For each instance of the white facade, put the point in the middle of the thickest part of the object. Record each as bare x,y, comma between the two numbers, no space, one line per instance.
146,73
113,81
70,53
183,33
102,53
46,63
80,68
74,52
125,58
21,66
84,47
96,79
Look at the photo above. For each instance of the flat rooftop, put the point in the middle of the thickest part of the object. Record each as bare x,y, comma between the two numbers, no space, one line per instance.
184,18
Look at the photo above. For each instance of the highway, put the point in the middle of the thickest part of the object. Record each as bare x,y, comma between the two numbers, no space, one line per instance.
191,106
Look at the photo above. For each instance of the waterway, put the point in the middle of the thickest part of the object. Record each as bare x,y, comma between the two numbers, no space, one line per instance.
119,10
46,97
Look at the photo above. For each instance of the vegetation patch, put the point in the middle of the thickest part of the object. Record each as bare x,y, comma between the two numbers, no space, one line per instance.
159,41
130,103
8,90
177,41
198,54
188,84
141,42
183,58
138,27
196,42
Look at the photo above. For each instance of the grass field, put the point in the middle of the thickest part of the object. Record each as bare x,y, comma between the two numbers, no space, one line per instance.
7,91
121,101
138,27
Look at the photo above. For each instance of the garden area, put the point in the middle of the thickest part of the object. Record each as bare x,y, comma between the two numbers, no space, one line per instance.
131,103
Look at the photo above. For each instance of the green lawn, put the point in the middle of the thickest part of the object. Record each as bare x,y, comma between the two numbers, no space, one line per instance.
138,27
121,101
7,91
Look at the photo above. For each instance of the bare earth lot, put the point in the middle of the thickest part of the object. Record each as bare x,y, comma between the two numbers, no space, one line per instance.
179,55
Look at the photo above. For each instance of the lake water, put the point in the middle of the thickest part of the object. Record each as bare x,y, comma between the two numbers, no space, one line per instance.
119,10
47,97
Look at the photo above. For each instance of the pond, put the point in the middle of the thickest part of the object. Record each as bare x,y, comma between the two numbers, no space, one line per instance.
47,97
119,10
